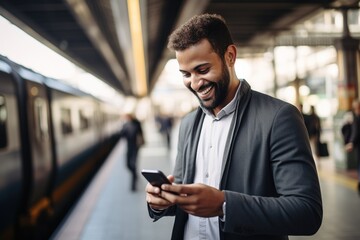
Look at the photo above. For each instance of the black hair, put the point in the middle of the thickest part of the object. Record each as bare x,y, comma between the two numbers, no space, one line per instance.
206,26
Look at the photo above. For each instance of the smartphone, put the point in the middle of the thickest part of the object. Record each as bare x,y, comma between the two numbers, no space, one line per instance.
155,177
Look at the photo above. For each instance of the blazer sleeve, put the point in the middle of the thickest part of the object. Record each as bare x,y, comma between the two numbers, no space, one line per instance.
183,131
297,207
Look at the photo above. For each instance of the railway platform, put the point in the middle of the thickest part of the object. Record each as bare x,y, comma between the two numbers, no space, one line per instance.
109,210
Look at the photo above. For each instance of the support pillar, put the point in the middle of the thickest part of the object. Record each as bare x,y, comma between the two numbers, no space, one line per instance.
348,89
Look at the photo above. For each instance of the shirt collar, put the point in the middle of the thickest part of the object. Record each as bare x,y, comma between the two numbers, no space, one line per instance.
228,109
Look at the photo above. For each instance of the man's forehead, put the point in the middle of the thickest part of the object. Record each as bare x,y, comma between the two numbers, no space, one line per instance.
196,53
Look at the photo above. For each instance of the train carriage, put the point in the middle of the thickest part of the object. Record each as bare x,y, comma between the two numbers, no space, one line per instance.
53,138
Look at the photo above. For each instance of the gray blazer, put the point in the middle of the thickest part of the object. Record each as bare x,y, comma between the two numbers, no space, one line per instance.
268,175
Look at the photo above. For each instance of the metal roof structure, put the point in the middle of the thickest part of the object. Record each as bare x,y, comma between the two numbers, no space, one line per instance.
103,36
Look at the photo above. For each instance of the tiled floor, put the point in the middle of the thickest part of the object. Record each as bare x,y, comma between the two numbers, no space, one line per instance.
109,210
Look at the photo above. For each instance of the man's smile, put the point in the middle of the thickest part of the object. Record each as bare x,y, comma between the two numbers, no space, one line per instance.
205,92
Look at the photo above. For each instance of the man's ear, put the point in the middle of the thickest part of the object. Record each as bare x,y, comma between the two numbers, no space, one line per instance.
230,55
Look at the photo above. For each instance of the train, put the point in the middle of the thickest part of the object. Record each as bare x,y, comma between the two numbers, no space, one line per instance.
53,139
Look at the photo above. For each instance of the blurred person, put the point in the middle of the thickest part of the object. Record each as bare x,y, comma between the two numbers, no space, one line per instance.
346,127
132,132
244,168
314,131
354,141
165,127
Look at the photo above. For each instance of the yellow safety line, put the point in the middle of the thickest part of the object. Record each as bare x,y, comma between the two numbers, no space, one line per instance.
338,178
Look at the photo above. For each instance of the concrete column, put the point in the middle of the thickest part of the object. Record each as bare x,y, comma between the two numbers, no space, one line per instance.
348,64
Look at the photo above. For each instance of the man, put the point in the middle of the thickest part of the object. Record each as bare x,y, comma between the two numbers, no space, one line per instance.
244,168
132,132
354,139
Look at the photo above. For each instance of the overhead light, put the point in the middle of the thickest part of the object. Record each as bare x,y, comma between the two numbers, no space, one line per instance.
138,47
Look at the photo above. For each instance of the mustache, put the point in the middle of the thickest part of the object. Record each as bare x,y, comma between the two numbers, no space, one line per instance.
201,88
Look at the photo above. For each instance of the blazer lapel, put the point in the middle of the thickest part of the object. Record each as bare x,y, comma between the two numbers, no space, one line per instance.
245,95
193,142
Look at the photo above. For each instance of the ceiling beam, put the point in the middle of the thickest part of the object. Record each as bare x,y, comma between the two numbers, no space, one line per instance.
85,18
188,10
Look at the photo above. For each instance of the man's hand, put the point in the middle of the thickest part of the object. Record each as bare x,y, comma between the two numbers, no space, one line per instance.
349,147
154,199
196,199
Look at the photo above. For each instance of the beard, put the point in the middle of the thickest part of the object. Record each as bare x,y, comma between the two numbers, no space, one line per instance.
221,86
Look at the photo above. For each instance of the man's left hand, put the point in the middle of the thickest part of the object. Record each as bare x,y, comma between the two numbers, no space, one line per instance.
196,199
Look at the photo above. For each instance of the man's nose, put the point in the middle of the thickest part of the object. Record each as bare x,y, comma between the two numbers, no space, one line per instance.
196,82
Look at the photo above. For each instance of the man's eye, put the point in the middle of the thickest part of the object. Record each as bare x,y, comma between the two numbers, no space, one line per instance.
203,71
186,75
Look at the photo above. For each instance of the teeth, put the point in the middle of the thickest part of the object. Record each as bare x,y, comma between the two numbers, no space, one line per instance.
206,90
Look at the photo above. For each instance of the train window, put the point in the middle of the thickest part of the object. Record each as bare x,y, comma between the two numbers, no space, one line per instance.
84,119
41,123
66,125
3,117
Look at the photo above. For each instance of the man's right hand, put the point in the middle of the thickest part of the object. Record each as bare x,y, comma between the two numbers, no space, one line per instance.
154,199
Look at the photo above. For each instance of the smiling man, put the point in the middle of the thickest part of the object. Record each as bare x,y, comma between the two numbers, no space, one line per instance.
244,168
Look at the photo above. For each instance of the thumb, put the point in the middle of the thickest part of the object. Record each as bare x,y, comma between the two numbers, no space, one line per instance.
171,178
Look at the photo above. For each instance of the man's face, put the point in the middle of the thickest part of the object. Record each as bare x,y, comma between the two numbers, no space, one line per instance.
205,74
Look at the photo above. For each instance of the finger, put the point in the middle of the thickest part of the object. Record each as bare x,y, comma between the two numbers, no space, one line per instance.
171,178
187,189
157,202
159,206
151,189
174,198
156,199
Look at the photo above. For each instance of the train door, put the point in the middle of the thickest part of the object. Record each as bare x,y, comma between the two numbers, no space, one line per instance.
40,141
